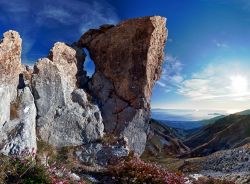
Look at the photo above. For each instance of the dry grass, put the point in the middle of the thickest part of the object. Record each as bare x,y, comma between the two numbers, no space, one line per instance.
109,139
171,164
14,111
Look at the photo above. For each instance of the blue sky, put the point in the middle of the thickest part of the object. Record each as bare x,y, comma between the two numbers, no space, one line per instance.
207,56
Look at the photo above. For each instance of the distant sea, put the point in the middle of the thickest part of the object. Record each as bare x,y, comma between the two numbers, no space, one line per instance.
184,118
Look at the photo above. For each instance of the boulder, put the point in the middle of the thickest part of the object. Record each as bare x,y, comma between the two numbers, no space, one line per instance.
128,59
102,154
65,116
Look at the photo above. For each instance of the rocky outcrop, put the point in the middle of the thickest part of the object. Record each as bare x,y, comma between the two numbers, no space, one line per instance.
17,108
56,102
128,59
65,117
10,68
10,58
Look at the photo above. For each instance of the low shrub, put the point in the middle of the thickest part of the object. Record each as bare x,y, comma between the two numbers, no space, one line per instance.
23,169
134,170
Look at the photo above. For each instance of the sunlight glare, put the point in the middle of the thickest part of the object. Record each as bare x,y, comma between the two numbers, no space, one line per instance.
239,84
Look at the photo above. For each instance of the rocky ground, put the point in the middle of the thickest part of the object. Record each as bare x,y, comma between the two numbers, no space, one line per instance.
232,165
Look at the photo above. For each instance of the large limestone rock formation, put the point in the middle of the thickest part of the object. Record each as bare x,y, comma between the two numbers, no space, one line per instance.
56,103
65,117
128,59
17,108
10,67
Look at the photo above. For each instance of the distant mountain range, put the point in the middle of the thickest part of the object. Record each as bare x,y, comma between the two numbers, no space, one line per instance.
200,138
185,114
228,132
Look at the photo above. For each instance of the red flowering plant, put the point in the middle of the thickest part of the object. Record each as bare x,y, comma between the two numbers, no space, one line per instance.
137,171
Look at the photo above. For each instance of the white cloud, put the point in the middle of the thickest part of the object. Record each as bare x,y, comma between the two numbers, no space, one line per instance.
217,82
29,16
225,85
171,73
56,13
161,84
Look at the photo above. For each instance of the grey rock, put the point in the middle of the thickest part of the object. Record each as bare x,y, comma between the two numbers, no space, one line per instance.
74,177
65,116
102,154
17,108
19,134
5,100
80,97
73,126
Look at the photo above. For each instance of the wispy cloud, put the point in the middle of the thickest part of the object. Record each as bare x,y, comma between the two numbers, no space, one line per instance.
55,13
161,84
171,73
217,82
220,44
28,17
15,6
87,14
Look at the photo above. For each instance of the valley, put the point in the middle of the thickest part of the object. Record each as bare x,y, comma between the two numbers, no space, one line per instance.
212,149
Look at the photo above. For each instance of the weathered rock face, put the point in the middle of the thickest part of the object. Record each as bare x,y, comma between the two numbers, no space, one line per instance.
128,59
65,117
51,102
10,58
17,107
19,134
10,67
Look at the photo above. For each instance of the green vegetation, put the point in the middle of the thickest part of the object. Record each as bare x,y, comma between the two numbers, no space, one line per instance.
27,168
20,170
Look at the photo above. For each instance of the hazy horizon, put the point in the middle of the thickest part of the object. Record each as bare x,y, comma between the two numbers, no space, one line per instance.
185,114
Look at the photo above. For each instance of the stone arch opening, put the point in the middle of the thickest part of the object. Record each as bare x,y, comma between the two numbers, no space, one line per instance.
89,65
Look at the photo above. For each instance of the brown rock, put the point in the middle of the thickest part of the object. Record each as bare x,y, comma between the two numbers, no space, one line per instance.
10,58
128,59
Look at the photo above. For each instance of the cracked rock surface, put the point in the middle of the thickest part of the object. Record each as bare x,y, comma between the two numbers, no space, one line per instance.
57,103
128,59
65,117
